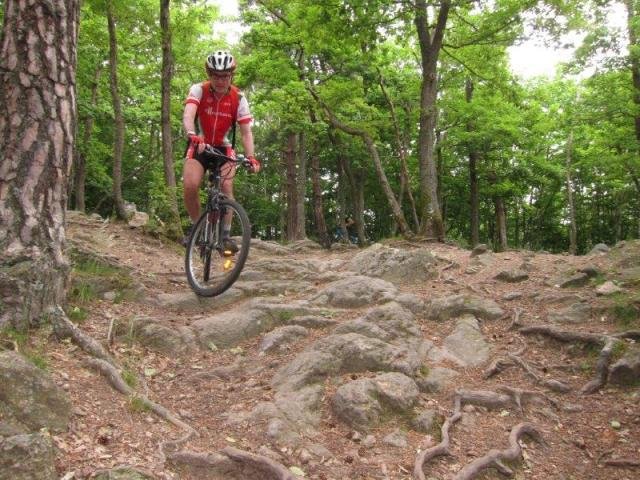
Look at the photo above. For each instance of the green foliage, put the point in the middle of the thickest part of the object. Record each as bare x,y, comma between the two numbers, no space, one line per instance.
130,378
347,51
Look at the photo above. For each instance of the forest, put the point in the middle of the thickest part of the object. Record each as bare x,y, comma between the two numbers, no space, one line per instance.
403,115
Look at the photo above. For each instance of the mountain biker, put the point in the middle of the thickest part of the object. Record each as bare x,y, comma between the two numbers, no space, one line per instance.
216,105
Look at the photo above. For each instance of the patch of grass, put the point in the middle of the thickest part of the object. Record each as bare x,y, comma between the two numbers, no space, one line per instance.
94,267
285,316
424,370
82,292
39,360
625,310
619,349
12,336
77,314
130,378
138,405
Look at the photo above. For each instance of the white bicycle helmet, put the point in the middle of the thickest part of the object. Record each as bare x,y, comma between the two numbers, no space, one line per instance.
221,62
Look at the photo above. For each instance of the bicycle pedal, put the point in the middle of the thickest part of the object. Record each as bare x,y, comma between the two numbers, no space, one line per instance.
228,265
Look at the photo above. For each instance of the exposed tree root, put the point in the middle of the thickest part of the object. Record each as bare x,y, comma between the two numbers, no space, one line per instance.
553,385
491,400
623,462
64,328
602,367
115,380
605,342
494,458
108,367
259,466
260,463
515,323
442,448
499,365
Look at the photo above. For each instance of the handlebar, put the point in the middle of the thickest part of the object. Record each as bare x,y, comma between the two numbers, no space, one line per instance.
211,150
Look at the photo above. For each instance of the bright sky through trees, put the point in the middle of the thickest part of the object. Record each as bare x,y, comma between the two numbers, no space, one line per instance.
528,60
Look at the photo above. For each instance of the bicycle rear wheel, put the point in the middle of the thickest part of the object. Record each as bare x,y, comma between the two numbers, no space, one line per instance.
210,269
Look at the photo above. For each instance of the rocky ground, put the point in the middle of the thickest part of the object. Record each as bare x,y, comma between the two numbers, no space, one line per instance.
398,361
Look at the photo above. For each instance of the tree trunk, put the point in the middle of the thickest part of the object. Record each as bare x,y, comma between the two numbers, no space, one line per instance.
634,57
80,173
118,143
474,200
373,151
405,183
292,187
174,227
301,187
501,224
430,41
37,137
318,209
573,236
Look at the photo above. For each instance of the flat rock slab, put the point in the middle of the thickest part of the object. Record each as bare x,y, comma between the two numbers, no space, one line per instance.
467,343
454,306
395,265
355,292
575,313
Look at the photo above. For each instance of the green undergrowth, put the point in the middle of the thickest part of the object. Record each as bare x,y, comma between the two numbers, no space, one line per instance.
91,278
624,308
31,344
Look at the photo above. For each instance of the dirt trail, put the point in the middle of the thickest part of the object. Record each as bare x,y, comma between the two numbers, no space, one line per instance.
580,432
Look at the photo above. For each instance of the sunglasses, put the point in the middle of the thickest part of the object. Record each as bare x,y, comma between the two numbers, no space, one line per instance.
224,76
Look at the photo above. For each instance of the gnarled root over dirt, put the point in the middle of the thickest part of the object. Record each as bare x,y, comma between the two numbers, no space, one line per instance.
606,342
442,448
495,458
234,463
492,400
64,328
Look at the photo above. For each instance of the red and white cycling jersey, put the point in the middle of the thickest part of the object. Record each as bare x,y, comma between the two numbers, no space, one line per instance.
216,114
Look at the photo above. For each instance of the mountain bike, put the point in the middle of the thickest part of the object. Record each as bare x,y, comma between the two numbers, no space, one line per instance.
212,266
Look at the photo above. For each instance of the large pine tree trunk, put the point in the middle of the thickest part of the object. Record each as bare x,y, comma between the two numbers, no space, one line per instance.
174,228
37,136
118,143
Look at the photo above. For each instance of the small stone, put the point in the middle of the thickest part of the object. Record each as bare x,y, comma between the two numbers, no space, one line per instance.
616,424
369,441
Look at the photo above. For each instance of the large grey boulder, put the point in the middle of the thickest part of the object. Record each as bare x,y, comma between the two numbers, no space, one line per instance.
350,352
29,398
626,371
281,337
363,403
27,457
444,308
395,265
355,292
121,473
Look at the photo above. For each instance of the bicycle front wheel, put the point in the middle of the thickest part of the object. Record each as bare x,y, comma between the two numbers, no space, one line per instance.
213,264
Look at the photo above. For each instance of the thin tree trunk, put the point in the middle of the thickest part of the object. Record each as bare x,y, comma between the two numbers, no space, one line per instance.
318,209
292,187
501,224
430,42
80,172
373,151
474,200
118,144
174,228
573,236
405,183
634,57
301,187
38,70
